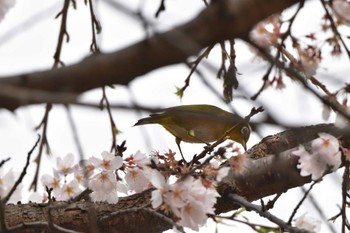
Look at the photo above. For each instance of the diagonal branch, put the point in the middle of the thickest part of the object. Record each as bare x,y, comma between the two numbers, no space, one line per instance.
221,20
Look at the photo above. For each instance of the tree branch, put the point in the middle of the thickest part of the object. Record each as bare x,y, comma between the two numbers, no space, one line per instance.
221,20
270,168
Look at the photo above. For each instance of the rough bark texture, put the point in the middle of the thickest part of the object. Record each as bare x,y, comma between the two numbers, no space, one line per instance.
222,20
270,169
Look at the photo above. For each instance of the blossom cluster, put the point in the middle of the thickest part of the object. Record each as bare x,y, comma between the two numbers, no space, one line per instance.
323,156
267,32
187,197
302,53
7,179
96,173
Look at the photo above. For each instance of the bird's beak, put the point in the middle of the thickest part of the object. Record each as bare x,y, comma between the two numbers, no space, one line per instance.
244,144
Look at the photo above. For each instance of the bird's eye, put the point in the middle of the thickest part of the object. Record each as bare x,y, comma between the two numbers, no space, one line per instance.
245,130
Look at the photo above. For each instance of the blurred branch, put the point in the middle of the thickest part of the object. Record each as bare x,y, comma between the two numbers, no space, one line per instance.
221,20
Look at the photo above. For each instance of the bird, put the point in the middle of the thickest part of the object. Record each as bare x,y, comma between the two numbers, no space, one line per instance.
200,123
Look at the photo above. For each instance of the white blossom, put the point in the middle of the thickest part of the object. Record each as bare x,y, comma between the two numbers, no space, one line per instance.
323,156
53,182
159,182
223,172
137,179
7,180
108,162
110,197
68,191
104,181
308,223
193,215
65,166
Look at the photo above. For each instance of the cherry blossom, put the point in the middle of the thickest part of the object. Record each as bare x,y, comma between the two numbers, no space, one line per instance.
138,172
137,179
323,156
65,165
110,197
7,180
309,60
53,182
222,173
189,199
193,215
308,223
239,163
108,162
267,32
138,159
105,181
68,190
159,182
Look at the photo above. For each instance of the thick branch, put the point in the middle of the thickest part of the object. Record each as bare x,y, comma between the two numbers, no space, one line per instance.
270,169
222,20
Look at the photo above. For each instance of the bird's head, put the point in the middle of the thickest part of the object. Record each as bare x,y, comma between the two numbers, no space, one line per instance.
241,134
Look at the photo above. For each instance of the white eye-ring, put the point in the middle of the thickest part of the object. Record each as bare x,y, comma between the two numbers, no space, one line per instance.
245,131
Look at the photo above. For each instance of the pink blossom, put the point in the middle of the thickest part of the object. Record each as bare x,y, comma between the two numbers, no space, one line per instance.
159,182
308,223
193,215
65,165
104,181
323,156
53,182
267,32
139,159
108,162
309,60
222,173
110,197
68,191
7,180
137,179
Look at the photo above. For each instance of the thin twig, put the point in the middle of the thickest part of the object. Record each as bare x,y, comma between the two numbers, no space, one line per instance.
95,27
44,143
334,28
249,206
303,80
23,173
4,161
160,8
210,147
193,65
114,128
74,130
301,201
345,185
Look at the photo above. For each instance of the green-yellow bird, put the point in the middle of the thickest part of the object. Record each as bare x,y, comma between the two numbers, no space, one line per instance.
200,124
